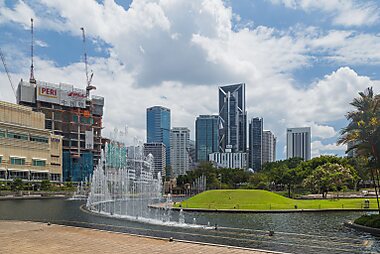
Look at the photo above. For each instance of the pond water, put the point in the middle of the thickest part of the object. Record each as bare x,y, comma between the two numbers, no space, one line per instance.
293,232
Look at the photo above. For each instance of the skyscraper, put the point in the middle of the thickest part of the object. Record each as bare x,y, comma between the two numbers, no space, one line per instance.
298,143
255,143
158,150
179,150
269,147
206,136
158,127
232,118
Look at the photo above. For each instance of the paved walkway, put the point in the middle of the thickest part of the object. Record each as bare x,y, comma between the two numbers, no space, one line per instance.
31,237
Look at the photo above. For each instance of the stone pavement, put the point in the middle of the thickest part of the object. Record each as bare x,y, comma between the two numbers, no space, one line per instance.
32,237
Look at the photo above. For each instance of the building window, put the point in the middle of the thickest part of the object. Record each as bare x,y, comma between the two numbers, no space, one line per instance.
17,161
39,139
39,163
1,159
75,118
18,136
2,134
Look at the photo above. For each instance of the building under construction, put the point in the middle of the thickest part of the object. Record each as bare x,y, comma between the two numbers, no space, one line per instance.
69,112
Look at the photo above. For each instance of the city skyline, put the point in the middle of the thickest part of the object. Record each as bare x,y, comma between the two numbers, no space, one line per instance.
310,56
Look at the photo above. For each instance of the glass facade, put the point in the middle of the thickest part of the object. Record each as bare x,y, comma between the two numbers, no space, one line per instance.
17,161
158,127
255,143
77,169
206,136
17,136
39,163
232,118
39,139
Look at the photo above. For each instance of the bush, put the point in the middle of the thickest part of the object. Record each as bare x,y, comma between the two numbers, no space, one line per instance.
17,185
45,185
372,220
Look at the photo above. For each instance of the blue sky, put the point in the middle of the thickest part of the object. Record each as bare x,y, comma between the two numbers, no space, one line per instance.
303,61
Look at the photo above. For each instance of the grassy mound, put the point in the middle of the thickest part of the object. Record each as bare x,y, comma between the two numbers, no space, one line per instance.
372,220
264,200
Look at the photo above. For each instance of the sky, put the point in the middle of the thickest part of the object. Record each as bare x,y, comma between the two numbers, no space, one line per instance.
303,61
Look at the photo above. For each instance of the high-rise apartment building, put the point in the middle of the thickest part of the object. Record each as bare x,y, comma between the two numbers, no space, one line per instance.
158,127
71,114
229,160
298,143
179,150
158,150
232,118
269,147
255,143
206,136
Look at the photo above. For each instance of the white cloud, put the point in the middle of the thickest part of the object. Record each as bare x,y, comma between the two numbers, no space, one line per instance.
175,53
318,148
344,12
21,13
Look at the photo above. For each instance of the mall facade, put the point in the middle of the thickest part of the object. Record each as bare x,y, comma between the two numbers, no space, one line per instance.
27,150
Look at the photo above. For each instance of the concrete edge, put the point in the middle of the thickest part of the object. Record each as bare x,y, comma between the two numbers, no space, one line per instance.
271,211
154,237
33,198
373,231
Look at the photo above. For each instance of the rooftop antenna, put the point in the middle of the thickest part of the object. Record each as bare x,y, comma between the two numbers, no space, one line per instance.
32,80
89,87
6,70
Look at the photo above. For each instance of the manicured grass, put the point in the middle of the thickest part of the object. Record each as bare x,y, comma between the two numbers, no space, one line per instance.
372,220
265,200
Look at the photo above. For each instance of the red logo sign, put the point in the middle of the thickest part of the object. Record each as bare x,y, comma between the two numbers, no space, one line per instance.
76,94
49,92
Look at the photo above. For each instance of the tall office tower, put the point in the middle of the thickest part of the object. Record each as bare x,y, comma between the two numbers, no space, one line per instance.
192,155
158,150
70,113
158,127
269,147
350,151
298,143
206,136
232,118
179,150
255,143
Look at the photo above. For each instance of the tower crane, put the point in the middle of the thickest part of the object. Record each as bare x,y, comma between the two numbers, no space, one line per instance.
6,70
89,87
32,80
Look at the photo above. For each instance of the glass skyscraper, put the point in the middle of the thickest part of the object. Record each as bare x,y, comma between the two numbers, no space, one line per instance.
232,118
158,127
255,143
206,136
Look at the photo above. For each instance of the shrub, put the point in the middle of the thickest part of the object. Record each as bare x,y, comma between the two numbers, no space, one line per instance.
372,220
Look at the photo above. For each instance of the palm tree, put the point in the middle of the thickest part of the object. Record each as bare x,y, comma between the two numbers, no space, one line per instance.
363,131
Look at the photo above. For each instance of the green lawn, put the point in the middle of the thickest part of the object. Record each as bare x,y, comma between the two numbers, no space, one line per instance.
264,200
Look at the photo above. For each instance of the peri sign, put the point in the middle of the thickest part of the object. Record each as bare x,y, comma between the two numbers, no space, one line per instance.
65,95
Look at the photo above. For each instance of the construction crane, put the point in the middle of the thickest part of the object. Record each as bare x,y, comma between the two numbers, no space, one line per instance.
89,87
32,80
6,70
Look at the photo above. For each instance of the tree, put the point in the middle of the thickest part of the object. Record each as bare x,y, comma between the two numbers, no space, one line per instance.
45,185
361,166
17,185
363,131
329,177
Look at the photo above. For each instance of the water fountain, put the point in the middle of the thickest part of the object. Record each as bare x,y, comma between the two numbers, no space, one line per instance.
80,193
127,188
